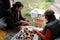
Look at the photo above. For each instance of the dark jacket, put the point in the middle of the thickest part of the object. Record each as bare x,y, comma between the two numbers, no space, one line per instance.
54,26
12,18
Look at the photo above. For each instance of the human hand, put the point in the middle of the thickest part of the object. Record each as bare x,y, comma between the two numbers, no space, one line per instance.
19,28
27,20
34,30
24,22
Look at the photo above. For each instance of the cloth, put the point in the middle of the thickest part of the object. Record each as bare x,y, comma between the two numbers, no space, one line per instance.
47,35
51,30
18,15
12,18
54,27
2,23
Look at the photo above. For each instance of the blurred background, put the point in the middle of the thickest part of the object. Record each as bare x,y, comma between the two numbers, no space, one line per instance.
40,4
30,5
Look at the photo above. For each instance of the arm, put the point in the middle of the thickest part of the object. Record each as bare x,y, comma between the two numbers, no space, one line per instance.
10,18
40,31
47,35
21,17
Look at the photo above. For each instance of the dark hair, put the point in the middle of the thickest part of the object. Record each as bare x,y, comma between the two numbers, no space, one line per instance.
17,4
50,14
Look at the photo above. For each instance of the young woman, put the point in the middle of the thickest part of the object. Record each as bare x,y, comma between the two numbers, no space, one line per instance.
52,29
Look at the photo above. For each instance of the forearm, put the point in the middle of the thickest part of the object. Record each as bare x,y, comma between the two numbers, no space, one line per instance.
22,21
40,31
46,36
41,35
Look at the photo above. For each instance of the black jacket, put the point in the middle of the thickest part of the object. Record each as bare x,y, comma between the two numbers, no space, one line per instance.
12,18
54,26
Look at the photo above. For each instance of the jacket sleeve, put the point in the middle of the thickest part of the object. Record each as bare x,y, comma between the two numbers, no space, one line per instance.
47,35
21,17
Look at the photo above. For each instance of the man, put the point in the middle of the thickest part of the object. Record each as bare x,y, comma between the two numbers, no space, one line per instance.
52,29
14,18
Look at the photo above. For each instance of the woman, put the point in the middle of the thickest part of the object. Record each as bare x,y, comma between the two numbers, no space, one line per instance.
52,29
14,18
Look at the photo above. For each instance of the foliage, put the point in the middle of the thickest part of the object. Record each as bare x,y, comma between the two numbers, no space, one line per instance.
32,4
49,0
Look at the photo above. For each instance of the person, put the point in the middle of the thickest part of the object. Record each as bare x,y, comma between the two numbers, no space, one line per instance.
52,30
14,18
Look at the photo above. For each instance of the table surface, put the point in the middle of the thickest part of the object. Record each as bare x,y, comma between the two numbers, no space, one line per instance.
29,27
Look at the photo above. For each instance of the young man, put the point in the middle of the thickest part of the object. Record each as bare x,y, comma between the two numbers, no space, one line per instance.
52,29
14,18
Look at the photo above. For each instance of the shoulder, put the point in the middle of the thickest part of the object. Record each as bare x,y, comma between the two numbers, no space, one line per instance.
53,23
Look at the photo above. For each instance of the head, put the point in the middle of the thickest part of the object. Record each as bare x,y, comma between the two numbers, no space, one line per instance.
18,6
49,14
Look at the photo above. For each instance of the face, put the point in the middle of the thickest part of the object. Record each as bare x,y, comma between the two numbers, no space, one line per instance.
19,8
